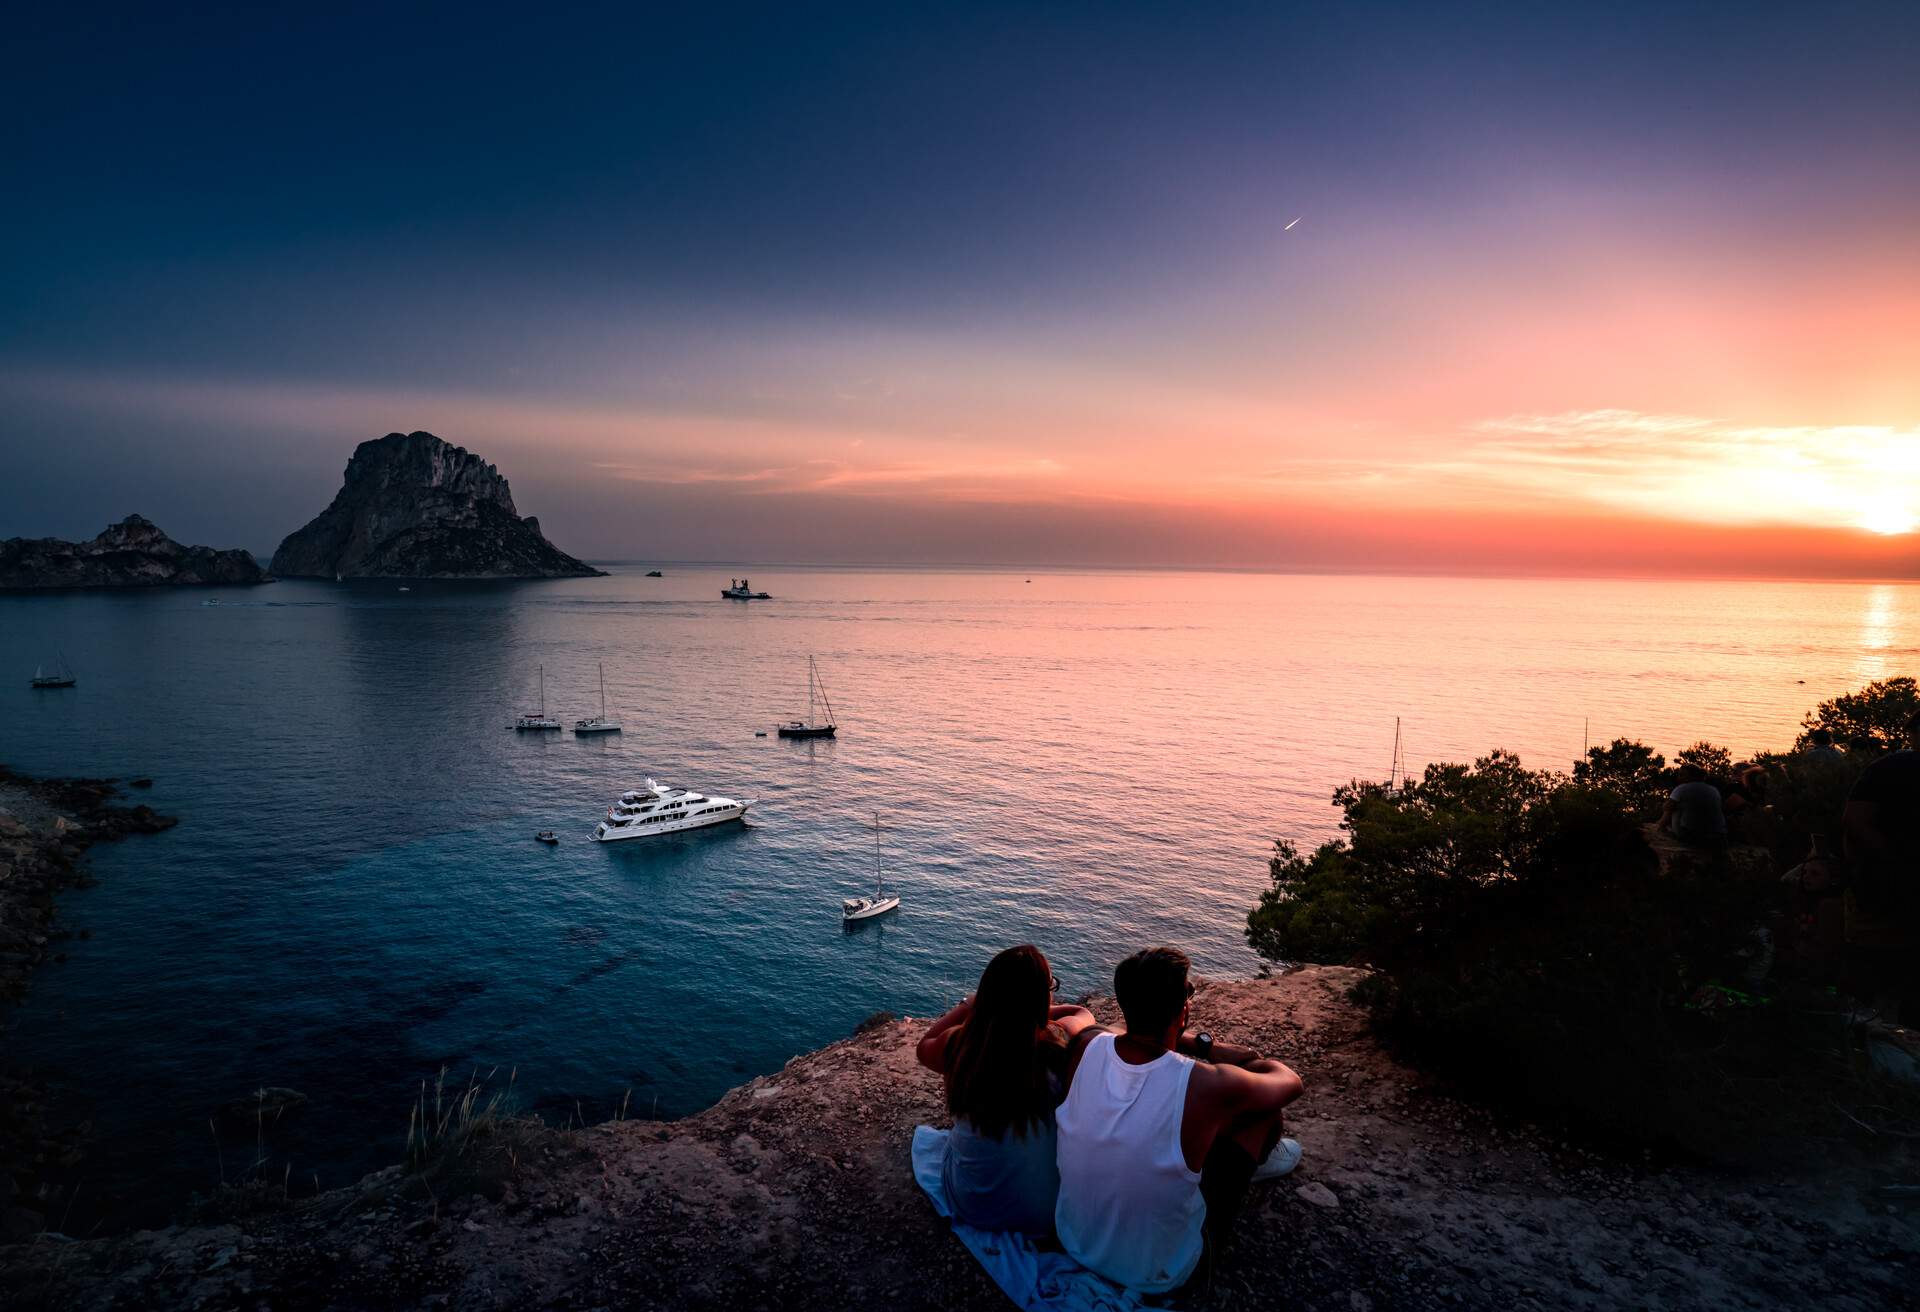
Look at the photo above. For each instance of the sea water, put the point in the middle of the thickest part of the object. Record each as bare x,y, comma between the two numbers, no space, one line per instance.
1092,762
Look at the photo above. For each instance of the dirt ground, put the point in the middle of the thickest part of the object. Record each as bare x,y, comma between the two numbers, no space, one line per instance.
795,1191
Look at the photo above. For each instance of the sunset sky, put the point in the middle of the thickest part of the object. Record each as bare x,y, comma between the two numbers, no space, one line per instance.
1635,288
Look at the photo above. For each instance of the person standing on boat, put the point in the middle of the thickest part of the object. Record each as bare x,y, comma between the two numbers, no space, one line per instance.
1161,1133
1001,1054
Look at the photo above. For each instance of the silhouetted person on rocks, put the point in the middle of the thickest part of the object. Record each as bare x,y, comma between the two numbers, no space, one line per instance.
1882,824
1695,812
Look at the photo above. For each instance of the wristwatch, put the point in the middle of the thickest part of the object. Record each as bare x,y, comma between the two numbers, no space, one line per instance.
1203,1045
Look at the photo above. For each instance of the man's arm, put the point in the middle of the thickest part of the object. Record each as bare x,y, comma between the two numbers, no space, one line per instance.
1070,1018
1264,1085
1221,1054
932,1048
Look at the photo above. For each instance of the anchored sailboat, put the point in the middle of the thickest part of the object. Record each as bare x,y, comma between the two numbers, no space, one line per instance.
542,720
811,727
62,677
865,908
599,723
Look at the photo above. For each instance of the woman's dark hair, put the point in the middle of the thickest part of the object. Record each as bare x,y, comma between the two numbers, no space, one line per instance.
998,1064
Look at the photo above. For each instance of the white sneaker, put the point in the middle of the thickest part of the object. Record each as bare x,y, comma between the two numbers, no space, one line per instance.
1281,1161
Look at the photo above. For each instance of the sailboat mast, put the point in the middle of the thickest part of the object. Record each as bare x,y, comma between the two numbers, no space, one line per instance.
543,692
810,678
603,690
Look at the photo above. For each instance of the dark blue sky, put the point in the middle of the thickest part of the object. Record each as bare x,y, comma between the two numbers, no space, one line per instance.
236,244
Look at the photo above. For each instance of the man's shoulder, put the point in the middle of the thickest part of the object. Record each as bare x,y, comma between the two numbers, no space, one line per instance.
1897,770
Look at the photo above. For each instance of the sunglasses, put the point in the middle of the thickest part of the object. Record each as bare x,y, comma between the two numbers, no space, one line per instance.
1191,990
1053,983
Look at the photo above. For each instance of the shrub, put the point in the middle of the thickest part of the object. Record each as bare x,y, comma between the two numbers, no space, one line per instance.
1632,769
1523,932
1874,716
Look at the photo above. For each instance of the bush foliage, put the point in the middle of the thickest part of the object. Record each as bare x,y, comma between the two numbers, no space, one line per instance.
1523,933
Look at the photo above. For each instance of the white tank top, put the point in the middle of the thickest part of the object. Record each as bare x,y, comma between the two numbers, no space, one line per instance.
1129,1208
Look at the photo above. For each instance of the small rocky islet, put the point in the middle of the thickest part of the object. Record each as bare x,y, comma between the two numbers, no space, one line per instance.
413,505
134,553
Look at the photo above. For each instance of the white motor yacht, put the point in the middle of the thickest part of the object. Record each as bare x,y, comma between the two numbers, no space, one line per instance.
661,809
658,809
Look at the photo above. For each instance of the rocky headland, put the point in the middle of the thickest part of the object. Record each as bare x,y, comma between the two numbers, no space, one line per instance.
45,827
414,506
795,1191
131,554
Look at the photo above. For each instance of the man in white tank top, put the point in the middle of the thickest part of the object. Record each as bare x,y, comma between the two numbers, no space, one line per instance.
1161,1133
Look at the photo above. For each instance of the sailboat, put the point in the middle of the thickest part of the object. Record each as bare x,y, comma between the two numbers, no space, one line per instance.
811,727
865,908
542,720
599,723
62,677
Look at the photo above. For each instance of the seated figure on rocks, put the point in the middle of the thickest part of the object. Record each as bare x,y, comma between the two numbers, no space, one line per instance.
1162,1131
1695,812
1002,1054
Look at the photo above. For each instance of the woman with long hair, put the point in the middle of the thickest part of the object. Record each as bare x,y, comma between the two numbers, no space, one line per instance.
1002,1053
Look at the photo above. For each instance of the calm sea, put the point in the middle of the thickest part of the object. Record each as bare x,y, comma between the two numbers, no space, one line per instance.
1089,761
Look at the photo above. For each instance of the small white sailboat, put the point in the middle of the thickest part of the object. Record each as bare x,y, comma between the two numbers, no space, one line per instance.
866,908
542,720
599,723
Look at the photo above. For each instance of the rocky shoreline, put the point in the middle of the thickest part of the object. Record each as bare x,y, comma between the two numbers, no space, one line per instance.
46,825
795,1191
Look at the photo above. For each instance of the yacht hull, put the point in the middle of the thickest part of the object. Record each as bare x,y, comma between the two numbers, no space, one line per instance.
806,731
604,833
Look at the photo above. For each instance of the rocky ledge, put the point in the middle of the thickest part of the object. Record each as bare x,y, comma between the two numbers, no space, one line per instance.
45,826
131,554
795,1191
414,506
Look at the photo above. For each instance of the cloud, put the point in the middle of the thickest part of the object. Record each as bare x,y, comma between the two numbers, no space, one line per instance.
1680,467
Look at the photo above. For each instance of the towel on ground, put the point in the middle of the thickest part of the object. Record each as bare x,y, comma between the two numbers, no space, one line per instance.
1037,1280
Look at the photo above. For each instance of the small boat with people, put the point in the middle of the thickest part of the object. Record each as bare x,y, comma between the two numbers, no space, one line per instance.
742,590
60,677
811,727
548,837
866,908
540,720
657,809
655,574
599,723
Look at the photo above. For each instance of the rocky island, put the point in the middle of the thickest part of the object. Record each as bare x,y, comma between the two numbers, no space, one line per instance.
415,506
131,554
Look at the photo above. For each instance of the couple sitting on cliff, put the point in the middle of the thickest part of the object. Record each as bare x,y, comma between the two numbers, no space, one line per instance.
1136,1149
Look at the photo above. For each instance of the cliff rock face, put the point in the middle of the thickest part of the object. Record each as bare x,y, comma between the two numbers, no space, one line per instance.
131,554
416,507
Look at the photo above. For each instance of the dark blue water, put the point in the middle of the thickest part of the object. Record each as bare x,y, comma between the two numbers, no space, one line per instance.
353,899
